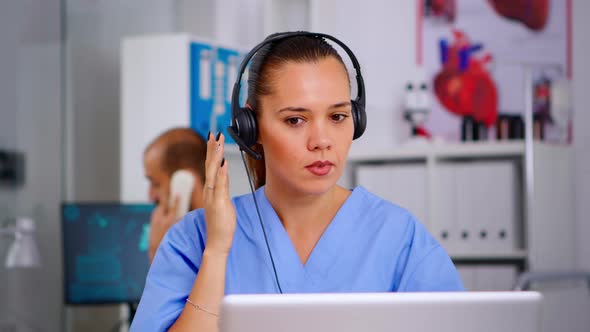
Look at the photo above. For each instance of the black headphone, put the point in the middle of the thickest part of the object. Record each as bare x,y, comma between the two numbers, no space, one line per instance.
244,129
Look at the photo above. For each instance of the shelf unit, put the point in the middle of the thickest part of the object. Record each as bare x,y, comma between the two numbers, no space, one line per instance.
544,215
427,151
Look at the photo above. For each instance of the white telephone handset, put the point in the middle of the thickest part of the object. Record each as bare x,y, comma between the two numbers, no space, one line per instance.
182,184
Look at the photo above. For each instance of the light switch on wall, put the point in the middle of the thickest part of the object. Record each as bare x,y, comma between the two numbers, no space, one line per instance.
11,168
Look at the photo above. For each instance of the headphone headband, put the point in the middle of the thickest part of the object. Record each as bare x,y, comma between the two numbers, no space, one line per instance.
235,101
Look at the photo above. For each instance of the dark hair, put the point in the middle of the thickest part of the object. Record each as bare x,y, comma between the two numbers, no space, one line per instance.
269,58
182,148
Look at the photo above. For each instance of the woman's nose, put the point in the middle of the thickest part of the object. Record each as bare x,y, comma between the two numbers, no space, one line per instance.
319,137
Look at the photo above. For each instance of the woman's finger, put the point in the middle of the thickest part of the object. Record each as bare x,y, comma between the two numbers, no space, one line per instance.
208,151
215,148
209,175
222,183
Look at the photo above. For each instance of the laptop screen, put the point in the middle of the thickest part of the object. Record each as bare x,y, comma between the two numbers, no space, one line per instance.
105,251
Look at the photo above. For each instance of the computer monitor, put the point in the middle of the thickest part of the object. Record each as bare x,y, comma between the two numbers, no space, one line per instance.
105,252
380,312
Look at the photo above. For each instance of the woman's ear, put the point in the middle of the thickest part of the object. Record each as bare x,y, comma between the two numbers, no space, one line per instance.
259,138
257,115
258,148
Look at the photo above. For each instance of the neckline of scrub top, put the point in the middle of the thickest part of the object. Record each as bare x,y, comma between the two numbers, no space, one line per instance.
294,275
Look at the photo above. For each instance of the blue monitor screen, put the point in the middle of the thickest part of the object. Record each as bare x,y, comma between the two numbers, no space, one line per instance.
105,252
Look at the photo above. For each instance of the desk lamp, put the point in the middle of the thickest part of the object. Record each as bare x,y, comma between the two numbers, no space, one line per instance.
23,252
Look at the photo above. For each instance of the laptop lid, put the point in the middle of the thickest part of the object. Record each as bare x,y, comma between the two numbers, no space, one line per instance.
380,312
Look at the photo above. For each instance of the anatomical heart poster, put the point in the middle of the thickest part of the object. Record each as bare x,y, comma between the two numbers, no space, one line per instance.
475,52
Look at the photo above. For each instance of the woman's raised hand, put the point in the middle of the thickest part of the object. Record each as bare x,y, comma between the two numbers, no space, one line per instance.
220,214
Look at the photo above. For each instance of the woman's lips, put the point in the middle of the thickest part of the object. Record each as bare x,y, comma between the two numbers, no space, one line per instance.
320,168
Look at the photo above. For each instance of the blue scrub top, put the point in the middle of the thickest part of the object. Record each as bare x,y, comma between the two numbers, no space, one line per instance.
371,245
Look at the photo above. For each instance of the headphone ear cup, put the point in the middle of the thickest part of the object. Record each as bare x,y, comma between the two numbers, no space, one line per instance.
246,126
359,118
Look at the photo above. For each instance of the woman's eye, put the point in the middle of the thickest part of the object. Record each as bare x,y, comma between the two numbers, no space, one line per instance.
294,121
339,117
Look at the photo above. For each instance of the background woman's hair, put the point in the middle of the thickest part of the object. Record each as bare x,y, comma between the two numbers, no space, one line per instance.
269,59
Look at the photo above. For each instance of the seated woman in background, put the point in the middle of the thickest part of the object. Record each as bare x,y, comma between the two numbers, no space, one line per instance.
318,236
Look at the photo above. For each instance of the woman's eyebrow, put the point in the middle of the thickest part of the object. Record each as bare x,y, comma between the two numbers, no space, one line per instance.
293,109
303,109
342,104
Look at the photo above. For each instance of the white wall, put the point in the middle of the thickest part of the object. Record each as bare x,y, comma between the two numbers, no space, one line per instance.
382,35
581,84
30,121
196,17
94,32
239,23
8,99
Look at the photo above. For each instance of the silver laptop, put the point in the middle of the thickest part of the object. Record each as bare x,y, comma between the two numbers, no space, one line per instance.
380,312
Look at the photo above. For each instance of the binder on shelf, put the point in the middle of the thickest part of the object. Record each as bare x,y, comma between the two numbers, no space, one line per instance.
404,185
443,224
486,205
505,213
483,194
468,207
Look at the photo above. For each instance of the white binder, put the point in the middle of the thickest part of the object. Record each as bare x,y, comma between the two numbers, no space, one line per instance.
404,185
468,206
486,206
508,207
443,225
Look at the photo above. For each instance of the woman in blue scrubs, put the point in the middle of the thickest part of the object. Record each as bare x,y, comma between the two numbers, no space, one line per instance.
321,237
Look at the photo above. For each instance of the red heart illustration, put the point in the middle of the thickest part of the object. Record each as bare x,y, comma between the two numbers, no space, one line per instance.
464,86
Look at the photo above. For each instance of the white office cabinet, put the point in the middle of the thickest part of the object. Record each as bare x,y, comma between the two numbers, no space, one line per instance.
172,81
481,278
551,237
467,274
155,85
481,201
469,206
495,277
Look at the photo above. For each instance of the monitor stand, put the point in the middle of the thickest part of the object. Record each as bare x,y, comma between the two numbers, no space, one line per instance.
132,309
